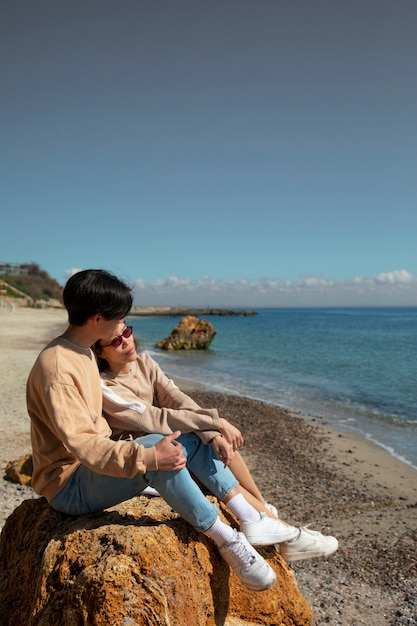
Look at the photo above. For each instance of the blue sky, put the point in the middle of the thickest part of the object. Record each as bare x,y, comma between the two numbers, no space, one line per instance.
222,153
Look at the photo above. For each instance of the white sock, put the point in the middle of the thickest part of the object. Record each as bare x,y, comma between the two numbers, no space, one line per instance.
240,507
220,532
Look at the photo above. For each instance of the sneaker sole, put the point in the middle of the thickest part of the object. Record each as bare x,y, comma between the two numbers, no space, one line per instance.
263,588
312,554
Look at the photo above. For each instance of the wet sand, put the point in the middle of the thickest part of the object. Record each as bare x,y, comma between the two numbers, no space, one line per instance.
337,482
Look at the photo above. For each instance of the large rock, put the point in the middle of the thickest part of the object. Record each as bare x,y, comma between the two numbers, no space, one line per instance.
20,470
135,564
190,333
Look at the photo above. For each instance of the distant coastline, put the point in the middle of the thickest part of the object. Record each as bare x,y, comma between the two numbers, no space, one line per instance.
168,311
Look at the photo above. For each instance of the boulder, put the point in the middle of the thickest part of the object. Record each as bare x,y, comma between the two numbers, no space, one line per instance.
136,564
20,470
190,333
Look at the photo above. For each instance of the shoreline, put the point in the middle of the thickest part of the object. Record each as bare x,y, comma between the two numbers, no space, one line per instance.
343,484
189,386
352,455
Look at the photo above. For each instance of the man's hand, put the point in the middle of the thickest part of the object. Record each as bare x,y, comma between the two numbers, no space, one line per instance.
169,454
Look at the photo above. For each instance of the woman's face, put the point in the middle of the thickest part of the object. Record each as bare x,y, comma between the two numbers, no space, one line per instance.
120,355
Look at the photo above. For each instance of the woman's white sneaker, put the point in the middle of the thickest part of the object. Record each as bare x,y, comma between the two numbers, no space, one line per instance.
308,545
272,509
247,564
267,531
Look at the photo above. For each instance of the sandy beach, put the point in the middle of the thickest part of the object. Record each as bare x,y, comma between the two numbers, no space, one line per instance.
338,483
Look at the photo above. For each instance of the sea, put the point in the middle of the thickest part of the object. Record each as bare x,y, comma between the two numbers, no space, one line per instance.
352,368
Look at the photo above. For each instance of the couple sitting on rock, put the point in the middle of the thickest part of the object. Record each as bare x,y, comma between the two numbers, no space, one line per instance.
88,457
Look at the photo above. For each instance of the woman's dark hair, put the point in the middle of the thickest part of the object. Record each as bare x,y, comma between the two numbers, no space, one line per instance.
101,362
96,291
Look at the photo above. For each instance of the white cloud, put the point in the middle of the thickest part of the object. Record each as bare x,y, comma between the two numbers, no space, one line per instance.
70,272
399,276
396,288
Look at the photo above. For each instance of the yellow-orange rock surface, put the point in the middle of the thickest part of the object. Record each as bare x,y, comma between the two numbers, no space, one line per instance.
20,470
190,333
135,564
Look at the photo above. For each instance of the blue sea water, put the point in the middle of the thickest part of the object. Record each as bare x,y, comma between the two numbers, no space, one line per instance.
354,368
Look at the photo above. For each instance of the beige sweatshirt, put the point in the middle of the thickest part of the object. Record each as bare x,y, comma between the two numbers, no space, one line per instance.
146,401
64,402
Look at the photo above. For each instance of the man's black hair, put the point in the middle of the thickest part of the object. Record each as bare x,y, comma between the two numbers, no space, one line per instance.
96,291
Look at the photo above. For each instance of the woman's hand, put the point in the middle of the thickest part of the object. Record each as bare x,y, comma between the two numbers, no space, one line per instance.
231,434
223,449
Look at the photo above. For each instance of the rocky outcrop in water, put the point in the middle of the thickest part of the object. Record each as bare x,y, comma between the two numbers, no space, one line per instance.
190,333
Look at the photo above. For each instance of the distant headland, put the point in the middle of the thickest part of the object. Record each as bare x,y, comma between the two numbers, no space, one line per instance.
174,311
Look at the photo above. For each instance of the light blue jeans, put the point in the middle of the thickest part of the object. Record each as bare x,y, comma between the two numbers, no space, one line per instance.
88,492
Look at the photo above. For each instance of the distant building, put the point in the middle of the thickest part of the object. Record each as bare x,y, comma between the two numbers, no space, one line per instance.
13,269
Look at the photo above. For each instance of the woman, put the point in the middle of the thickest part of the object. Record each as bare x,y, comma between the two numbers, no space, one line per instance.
168,409
139,398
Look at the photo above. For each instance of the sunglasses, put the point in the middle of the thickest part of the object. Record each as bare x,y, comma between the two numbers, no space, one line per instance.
117,341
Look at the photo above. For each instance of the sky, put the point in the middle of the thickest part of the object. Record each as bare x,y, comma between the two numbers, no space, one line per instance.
226,153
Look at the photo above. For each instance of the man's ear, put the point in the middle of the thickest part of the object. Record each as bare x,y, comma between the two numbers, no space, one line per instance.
94,320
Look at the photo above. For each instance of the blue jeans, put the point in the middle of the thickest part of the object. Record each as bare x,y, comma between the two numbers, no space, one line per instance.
88,492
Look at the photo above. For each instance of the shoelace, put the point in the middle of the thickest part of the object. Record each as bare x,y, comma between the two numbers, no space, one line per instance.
242,553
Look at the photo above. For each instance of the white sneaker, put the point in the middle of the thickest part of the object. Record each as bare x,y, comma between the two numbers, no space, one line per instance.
308,544
272,509
267,531
247,564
